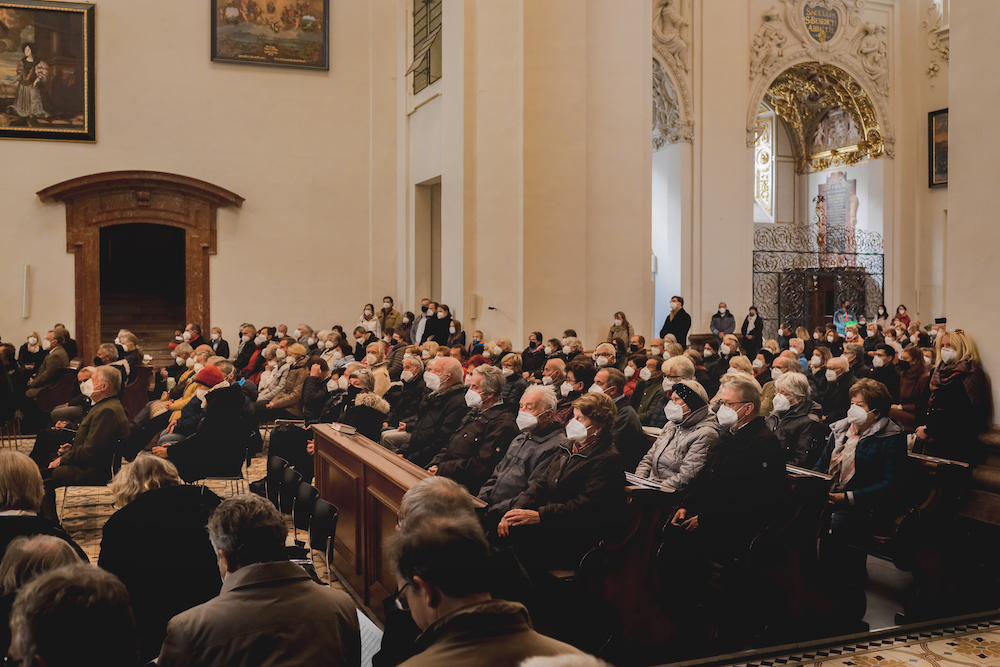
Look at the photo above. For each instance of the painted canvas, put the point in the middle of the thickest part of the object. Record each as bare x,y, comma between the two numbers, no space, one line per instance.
272,32
937,158
47,71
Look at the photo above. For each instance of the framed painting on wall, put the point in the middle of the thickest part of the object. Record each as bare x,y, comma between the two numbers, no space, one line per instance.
284,33
47,71
937,154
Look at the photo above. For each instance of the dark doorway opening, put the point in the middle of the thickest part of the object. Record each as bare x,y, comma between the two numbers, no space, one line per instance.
142,283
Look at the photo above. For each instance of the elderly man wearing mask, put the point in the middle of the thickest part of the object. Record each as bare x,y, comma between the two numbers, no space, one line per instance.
87,460
528,455
553,373
782,365
796,420
649,390
674,370
484,435
440,414
683,445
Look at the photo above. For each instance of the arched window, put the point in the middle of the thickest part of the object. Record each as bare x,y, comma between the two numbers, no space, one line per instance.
764,161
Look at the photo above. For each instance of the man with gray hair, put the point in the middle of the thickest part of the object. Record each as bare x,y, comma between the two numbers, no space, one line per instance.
87,460
269,611
797,421
736,492
74,615
528,454
440,414
627,433
484,435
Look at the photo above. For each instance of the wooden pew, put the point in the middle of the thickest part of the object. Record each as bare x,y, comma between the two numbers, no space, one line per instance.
58,392
366,482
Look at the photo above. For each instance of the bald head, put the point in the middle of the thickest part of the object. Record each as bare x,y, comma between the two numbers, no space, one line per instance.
838,364
450,371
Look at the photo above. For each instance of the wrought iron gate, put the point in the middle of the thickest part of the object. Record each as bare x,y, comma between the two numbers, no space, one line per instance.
788,259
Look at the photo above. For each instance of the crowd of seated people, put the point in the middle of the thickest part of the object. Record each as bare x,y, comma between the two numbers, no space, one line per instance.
544,437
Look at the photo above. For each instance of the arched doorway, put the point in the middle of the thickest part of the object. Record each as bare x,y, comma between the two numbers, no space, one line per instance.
127,198
826,245
142,283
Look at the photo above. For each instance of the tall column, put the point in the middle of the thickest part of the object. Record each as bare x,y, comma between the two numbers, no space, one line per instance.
972,257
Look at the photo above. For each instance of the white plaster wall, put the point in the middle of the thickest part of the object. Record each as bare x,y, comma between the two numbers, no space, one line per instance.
304,148
666,230
973,249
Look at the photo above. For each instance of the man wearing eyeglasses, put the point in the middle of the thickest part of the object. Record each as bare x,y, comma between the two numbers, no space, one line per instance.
737,492
442,567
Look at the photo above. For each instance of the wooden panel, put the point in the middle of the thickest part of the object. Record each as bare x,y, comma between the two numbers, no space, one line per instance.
383,500
341,485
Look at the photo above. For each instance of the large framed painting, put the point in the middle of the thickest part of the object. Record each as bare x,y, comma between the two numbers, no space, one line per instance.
937,155
284,33
47,71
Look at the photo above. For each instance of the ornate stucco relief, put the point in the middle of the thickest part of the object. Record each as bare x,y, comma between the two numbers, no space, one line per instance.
672,109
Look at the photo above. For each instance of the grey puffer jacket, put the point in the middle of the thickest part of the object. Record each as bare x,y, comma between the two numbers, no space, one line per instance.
801,432
680,450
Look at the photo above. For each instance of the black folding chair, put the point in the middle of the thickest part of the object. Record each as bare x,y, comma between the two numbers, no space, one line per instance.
323,530
268,487
288,490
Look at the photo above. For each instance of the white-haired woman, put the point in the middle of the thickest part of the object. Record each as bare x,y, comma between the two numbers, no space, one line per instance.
796,420
683,445
160,520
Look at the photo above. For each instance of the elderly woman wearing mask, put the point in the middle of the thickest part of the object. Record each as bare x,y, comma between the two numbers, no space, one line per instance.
579,499
865,454
514,382
958,404
287,402
682,446
796,420
675,369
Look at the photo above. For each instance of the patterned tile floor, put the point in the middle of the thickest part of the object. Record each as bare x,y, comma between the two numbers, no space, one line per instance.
88,508
963,645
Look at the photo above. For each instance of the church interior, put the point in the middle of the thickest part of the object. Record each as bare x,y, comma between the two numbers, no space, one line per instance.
363,239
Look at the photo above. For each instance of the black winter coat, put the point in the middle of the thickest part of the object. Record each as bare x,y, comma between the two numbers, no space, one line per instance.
478,445
440,415
168,524
800,432
679,326
405,400
741,484
219,445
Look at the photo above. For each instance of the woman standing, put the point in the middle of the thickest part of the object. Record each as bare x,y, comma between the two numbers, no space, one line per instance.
958,405
31,99
901,316
369,321
620,328
753,333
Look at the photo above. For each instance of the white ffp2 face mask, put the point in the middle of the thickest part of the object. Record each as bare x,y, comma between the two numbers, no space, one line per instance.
725,350
629,372
473,399
948,355
565,389
645,374
727,416
575,430
857,415
674,412
566,350
831,376
432,381
781,404
526,421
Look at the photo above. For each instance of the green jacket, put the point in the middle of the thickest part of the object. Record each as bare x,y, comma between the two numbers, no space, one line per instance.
99,431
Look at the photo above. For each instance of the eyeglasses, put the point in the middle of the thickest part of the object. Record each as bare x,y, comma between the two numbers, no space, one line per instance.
400,600
731,404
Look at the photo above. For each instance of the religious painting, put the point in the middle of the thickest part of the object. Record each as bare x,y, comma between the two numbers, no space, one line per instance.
284,33
47,71
837,209
821,22
937,157
835,130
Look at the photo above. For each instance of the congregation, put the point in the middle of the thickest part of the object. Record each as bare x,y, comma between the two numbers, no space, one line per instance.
549,438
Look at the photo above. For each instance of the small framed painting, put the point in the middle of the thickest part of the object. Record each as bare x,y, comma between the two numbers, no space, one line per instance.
283,33
47,71
937,154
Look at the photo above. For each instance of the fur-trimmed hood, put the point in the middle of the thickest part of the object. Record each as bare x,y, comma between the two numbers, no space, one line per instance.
372,400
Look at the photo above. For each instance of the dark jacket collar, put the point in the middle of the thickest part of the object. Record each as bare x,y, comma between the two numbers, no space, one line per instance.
492,616
263,574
